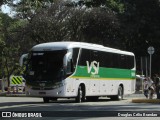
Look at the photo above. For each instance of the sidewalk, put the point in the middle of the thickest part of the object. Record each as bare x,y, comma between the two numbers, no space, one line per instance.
2,93
11,94
146,101
140,98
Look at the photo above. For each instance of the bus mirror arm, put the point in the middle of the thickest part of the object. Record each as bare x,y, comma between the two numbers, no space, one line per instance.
22,58
66,61
65,72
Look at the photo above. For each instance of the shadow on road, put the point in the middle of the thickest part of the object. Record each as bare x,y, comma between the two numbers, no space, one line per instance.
24,105
72,100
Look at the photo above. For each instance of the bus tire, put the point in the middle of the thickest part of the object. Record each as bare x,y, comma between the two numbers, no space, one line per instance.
46,99
53,99
119,96
120,93
81,95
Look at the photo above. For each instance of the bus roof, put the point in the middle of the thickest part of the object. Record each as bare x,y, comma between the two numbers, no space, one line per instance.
67,45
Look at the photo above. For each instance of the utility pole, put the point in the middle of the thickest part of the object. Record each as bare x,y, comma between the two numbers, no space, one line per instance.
2,82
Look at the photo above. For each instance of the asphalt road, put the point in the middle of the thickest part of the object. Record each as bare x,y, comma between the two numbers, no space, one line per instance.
67,108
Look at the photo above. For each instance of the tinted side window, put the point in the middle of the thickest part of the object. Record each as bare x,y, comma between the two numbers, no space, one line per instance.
94,56
106,59
84,56
114,60
123,62
130,60
126,62
75,55
101,58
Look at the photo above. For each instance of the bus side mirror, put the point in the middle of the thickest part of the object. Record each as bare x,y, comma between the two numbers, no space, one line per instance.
67,62
23,59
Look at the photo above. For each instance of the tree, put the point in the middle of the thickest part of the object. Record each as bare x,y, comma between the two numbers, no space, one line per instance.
3,2
114,5
126,24
47,25
60,23
26,9
140,27
101,28
9,55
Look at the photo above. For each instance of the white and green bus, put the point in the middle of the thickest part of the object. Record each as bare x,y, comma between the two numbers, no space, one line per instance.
78,70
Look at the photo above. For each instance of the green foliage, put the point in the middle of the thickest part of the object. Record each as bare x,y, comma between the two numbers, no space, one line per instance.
141,28
101,28
3,2
27,8
141,24
72,25
115,5
9,55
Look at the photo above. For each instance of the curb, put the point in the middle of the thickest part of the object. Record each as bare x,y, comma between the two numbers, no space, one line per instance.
2,94
15,95
12,95
145,100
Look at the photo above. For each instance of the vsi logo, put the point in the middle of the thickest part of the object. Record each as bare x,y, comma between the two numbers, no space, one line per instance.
94,65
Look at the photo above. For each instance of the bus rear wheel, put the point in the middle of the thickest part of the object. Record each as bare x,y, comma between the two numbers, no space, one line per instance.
120,93
81,95
119,96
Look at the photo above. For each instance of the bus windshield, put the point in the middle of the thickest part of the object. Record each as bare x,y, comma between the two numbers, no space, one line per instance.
46,66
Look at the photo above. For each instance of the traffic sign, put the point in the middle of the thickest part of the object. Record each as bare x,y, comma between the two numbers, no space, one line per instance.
151,50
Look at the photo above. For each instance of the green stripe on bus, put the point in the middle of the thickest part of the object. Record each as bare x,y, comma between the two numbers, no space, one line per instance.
110,73
102,78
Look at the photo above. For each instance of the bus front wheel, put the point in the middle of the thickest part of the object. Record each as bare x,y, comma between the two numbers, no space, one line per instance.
81,95
46,99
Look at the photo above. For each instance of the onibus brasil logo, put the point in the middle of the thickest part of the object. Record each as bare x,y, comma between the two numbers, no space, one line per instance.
95,66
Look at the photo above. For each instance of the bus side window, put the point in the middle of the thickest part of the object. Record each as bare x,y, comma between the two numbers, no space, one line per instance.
84,56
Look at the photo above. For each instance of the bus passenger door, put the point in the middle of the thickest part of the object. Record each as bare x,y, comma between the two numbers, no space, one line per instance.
68,68
94,87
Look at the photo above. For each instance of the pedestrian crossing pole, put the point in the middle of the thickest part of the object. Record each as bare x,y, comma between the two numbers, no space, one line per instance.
146,67
150,51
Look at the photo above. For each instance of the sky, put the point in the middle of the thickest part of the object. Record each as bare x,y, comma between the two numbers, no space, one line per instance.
5,9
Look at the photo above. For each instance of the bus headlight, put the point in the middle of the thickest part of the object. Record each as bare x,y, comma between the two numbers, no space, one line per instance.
58,85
